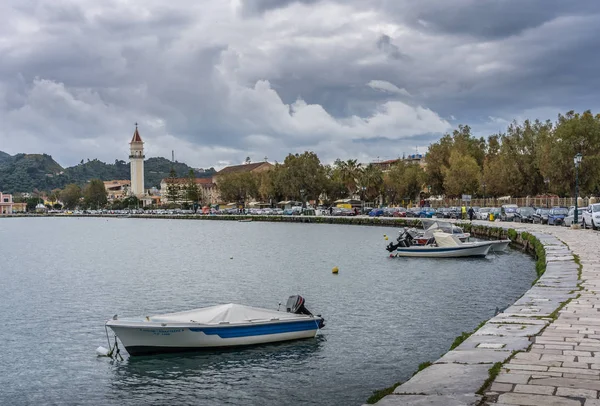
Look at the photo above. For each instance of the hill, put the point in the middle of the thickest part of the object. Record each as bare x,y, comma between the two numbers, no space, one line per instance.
26,172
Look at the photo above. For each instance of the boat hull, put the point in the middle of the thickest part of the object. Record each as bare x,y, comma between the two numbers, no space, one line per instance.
143,338
500,245
478,250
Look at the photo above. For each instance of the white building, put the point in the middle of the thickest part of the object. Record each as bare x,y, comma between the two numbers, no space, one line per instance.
137,164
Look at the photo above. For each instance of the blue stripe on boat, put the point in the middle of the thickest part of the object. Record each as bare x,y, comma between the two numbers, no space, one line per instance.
259,330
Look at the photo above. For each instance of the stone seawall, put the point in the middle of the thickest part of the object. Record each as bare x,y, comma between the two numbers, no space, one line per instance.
462,375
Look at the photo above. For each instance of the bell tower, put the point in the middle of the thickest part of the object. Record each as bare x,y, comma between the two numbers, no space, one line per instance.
137,157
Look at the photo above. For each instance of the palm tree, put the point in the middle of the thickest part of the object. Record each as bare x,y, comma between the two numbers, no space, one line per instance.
350,171
371,182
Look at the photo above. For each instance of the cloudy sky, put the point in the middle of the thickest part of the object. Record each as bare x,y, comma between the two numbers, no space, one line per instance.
217,81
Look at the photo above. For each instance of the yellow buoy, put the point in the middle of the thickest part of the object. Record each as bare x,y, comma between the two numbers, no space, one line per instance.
335,270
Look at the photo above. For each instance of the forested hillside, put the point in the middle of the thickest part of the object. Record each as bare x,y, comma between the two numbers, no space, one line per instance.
27,172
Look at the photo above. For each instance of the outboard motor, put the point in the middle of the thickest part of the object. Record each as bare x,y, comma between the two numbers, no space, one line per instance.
295,304
404,240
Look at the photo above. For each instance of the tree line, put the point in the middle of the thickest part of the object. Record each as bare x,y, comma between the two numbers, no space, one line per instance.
531,158
528,159
302,177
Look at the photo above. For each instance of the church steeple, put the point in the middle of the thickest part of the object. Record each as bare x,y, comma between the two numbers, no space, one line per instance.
136,135
136,156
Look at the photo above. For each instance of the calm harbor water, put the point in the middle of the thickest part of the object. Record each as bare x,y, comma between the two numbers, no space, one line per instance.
61,278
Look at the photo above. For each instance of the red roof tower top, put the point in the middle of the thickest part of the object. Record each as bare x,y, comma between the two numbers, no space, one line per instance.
136,135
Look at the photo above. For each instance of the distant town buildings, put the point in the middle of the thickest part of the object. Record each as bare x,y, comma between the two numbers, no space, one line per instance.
6,203
413,159
206,187
117,189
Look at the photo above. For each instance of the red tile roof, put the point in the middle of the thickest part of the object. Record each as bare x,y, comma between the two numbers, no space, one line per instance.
241,168
199,181
136,136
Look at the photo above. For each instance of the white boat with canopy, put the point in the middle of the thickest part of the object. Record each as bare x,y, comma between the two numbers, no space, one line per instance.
446,246
228,325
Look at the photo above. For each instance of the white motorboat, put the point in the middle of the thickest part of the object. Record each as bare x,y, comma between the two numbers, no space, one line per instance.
229,325
499,245
446,246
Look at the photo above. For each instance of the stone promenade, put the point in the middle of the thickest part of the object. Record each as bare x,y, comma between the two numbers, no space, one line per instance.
553,357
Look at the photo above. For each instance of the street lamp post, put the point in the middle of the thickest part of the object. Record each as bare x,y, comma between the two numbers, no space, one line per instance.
547,182
577,161
483,186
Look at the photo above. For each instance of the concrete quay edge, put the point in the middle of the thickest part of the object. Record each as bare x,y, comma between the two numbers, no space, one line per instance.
457,377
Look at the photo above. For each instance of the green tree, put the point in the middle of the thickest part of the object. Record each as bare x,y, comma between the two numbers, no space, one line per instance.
305,176
32,202
94,194
371,182
349,171
130,202
414,178
574,133
462,175
70,196
334,186
192,191
173,189
237,187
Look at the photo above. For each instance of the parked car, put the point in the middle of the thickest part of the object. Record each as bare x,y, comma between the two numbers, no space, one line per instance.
376,213
570,219
524,215
421,212
483,213
399,212
494,211
541,216
591,216
507,212
557,215
367,210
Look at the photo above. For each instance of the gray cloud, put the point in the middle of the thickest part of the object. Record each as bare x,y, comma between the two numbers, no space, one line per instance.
260,6
218,81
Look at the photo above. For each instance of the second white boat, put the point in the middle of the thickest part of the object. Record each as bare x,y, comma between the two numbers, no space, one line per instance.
446,246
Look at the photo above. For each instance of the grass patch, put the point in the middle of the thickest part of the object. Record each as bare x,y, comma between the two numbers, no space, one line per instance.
381,393
422,366
464,335
492,374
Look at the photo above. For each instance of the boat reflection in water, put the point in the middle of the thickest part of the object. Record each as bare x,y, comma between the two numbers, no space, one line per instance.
213,376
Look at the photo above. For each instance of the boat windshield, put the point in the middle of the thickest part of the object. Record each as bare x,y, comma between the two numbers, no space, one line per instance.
431,225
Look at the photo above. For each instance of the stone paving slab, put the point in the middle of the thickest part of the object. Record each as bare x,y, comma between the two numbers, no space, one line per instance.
559,367
431,400
446,379
477,356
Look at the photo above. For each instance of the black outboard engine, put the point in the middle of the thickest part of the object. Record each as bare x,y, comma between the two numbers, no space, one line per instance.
404,240
295,304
